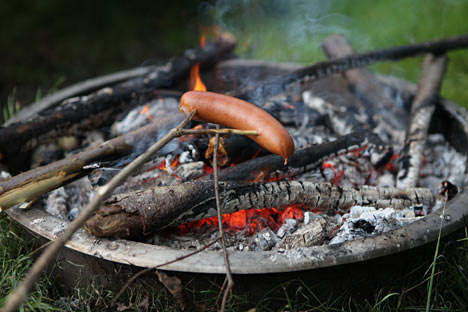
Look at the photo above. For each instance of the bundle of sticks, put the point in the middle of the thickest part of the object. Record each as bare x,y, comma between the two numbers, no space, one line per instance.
136,213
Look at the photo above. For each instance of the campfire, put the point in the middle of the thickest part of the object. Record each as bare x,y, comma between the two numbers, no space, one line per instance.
364,161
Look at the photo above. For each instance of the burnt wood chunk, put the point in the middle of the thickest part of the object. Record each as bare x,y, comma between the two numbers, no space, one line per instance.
422,109
138,213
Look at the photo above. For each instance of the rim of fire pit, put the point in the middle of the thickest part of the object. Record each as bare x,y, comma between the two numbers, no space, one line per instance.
418,233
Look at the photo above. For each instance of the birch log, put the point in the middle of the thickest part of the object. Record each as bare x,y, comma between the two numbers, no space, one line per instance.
422,109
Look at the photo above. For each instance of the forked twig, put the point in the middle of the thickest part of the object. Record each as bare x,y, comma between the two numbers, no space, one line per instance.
230,283
49,255
134,277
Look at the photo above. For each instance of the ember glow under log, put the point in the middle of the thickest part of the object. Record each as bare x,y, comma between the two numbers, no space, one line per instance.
138,213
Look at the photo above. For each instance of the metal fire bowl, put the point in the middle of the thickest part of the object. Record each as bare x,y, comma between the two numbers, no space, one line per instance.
449,119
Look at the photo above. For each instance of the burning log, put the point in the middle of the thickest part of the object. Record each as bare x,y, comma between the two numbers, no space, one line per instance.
422,109
381,110
29,185
137,213
272,166
110,100
258,93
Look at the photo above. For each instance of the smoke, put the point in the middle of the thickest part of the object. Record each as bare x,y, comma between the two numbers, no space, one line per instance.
278,30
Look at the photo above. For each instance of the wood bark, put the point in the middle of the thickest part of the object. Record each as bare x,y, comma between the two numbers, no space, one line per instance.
422,109
377,106
138,213
29,185
112,99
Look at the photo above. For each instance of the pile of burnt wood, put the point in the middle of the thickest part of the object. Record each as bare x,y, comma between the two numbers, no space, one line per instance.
367,117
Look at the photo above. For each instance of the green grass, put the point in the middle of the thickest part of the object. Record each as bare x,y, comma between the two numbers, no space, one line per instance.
15,261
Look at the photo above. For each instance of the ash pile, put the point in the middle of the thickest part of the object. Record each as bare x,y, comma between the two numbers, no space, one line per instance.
352,175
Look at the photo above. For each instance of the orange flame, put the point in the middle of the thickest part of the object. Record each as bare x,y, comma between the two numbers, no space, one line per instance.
145,111
195,80
338,174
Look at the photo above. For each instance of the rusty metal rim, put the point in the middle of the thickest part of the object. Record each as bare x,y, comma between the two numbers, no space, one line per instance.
421,232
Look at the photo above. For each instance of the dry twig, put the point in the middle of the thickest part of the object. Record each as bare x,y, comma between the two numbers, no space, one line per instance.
230,281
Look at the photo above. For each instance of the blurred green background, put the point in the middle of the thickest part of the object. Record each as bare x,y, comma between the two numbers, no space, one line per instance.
51,43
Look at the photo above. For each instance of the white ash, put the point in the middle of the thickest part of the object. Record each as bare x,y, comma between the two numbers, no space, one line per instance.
367,221
443,162
310,234
289,226
37,221
56,203
144,114
4,175
93,138
66,202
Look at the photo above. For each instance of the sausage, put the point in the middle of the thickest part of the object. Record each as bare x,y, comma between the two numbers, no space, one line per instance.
238,114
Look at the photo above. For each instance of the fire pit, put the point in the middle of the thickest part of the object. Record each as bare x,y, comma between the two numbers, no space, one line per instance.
449,120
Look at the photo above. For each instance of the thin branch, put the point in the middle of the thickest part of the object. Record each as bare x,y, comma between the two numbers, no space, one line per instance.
220,224
220,131
134,277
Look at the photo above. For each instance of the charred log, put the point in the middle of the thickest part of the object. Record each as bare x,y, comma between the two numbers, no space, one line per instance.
138,213
422,109
319,70
378,107
110,100
29,185
273,167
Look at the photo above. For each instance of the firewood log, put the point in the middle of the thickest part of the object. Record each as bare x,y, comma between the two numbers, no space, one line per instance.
265,89
137,213
29,185
422,109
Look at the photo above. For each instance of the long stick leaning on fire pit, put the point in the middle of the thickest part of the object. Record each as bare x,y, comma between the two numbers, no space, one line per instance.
339,65
121,95
137,213
422,108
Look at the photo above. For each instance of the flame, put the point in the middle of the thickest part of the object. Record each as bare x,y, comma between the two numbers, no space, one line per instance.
195,80
145,111
163,166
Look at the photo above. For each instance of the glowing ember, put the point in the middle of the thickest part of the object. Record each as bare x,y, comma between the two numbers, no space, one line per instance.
338,174
247,222
145,111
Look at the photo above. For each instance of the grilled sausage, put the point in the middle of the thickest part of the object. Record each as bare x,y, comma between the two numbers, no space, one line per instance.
239,114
